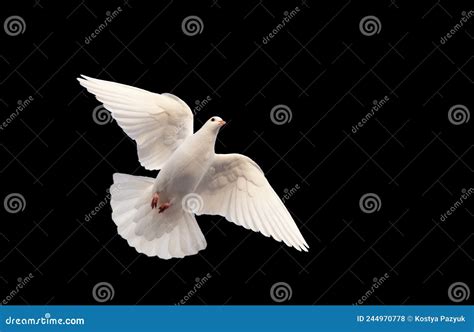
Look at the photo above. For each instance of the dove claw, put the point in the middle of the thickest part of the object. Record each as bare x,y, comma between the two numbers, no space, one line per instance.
163,207
155,200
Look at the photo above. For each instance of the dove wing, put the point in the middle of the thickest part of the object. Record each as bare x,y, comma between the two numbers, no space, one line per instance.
236,188
158,123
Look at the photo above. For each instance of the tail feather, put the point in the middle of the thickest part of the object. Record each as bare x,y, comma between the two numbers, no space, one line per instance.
173,233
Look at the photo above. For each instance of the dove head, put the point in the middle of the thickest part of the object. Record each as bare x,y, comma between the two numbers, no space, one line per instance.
213,124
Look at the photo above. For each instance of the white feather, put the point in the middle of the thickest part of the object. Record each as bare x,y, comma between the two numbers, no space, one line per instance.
166,235
258,208
159,123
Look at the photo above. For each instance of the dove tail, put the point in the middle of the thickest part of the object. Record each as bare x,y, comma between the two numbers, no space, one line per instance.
173,233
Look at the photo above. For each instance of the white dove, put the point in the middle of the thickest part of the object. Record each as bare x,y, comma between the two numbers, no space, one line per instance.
156,216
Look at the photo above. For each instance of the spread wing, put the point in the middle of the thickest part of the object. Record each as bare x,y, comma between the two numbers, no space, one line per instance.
158,123
236,188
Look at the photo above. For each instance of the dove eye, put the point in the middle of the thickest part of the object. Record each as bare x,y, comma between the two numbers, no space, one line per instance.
212,119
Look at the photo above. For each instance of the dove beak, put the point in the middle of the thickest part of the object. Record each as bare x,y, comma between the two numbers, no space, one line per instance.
221,123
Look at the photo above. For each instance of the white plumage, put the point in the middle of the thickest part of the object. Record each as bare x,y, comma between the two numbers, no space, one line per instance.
193,178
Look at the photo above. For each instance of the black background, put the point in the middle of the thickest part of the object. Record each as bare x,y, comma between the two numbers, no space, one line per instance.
324,69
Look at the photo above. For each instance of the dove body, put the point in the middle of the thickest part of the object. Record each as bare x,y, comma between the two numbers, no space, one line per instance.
188,164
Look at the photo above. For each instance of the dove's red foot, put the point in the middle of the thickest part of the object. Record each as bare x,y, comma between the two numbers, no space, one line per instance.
155,200
163,207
